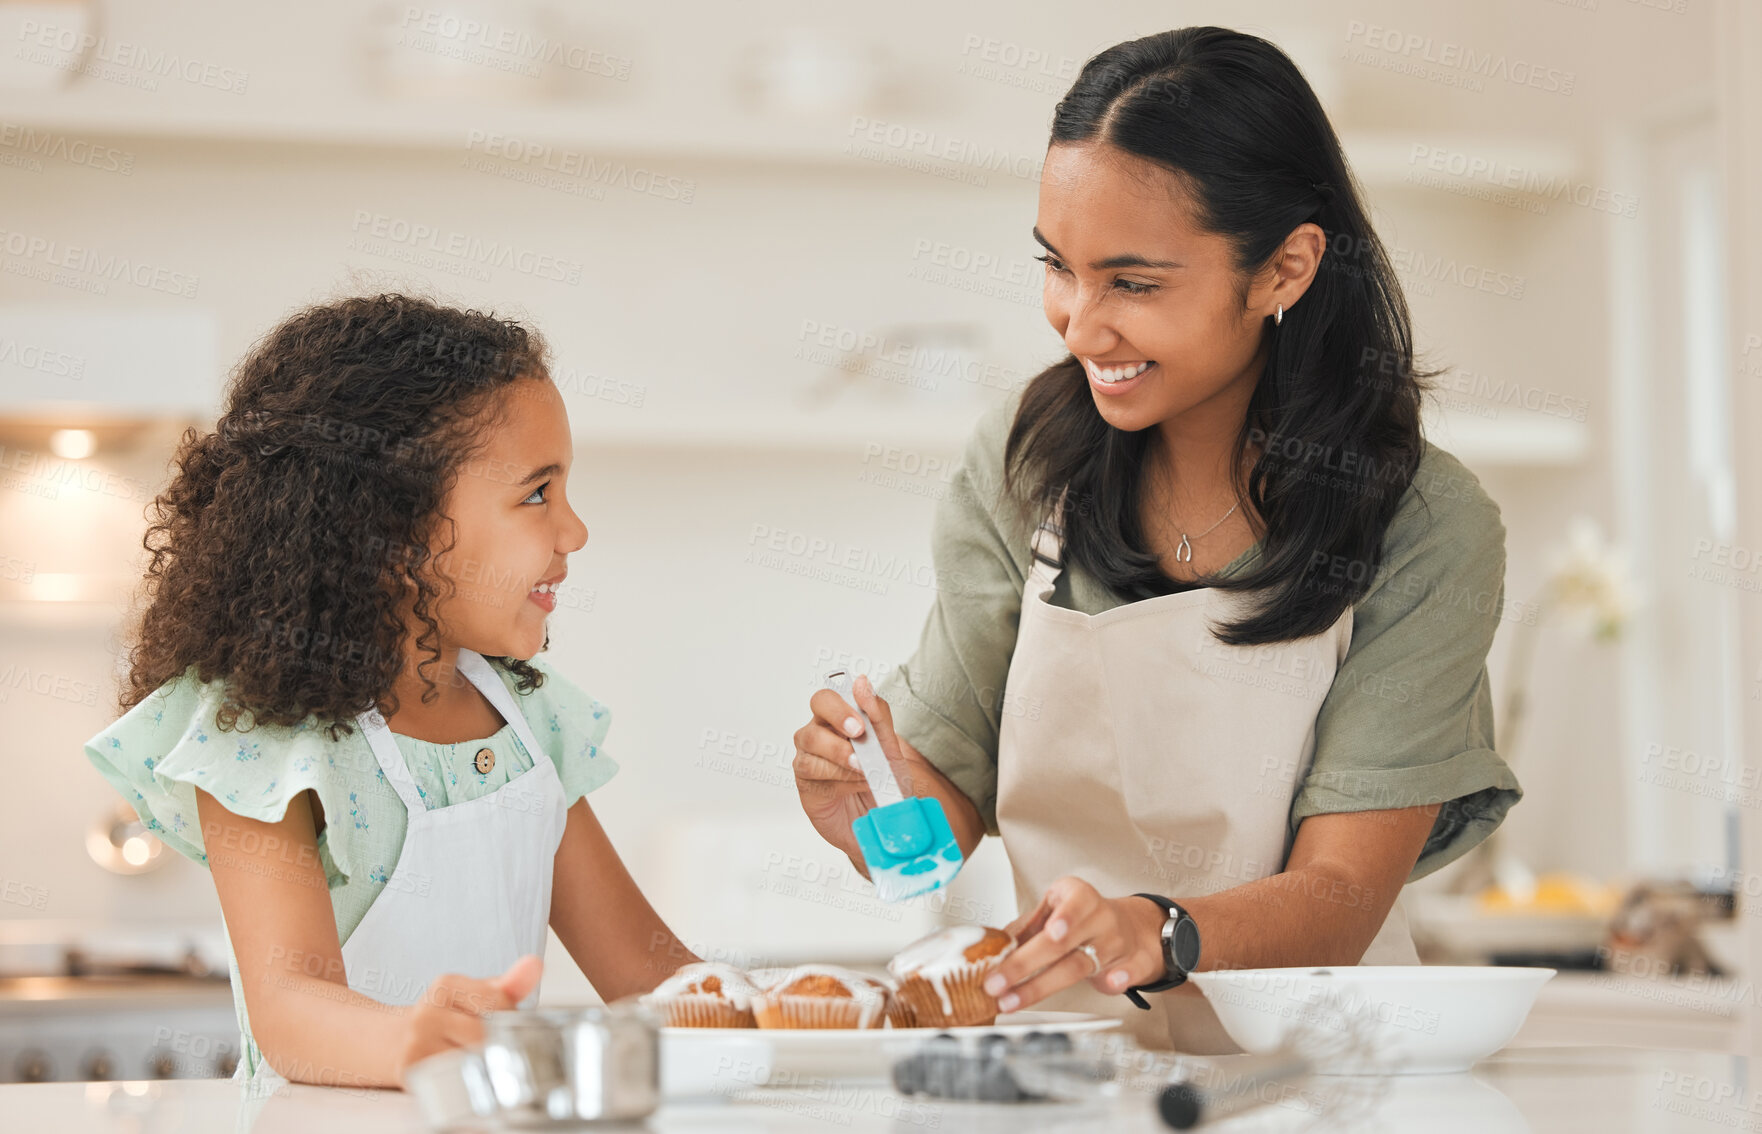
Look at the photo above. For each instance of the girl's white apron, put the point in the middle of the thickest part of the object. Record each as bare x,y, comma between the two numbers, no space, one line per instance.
471,892
1139,753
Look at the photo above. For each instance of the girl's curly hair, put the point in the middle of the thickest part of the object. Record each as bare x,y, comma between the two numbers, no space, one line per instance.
294,537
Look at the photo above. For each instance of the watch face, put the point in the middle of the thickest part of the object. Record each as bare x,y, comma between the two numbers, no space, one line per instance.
1186,944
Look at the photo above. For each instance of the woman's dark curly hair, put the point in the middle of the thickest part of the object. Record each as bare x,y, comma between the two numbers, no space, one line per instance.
295,539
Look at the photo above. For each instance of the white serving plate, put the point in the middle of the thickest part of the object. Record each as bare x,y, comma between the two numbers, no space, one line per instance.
720,1061
1376,1019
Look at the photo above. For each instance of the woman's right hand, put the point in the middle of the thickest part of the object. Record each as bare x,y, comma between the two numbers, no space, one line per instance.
450,1013
833,791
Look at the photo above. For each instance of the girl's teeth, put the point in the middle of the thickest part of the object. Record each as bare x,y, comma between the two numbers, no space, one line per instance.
1118,374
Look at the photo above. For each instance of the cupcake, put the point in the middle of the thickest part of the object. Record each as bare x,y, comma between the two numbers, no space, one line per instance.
822,996
894,1010
942,977
899,1014
705,995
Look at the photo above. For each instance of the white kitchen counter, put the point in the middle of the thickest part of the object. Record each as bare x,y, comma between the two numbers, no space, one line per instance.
1606,1090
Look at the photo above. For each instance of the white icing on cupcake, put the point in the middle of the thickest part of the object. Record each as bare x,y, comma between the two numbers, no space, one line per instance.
736,988
764,978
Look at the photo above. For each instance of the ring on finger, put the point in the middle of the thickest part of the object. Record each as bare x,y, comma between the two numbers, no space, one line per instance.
1095,965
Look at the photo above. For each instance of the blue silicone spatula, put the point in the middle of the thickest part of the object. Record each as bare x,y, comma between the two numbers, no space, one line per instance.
907,843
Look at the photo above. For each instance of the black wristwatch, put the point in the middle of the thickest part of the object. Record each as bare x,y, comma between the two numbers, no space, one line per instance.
1180,950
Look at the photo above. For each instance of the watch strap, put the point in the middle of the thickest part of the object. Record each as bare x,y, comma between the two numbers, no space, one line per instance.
1172,978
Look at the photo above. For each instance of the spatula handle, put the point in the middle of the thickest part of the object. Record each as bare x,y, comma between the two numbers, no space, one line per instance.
870,759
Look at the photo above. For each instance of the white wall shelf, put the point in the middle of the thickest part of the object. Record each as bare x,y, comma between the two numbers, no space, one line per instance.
1516,440
1522,440
1380,159
837,430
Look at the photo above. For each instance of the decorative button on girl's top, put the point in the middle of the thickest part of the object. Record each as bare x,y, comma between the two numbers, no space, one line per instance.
485,762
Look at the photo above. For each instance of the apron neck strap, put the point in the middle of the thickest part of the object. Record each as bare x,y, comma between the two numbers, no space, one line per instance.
391,761
480,673
483,675
1048,545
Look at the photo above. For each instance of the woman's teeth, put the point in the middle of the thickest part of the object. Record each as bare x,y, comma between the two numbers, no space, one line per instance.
547,588
1118,373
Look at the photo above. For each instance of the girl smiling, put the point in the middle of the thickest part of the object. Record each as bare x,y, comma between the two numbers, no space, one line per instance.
334,700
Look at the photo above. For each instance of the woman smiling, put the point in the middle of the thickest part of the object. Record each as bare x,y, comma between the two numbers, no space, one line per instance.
1216,672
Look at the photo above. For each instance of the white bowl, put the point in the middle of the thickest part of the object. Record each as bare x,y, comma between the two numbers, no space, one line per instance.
1376,1019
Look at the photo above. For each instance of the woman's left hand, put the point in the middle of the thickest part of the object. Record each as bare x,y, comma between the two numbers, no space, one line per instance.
1125,934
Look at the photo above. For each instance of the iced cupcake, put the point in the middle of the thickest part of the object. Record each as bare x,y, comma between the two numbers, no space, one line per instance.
895,1011
705,995
899,1014
941,978
822,996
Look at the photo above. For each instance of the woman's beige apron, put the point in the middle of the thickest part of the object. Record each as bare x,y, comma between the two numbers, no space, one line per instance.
1139,753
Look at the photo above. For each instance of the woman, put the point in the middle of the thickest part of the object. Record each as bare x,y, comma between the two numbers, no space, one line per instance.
1216,670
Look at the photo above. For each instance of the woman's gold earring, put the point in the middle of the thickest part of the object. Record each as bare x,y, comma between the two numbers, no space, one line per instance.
1279,315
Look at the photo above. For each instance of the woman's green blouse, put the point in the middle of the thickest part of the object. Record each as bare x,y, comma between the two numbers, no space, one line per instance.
1408,720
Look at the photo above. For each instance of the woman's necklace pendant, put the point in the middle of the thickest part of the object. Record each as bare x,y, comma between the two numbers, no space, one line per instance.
1183,550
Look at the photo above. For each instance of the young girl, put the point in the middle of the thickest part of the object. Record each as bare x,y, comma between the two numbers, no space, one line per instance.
334,702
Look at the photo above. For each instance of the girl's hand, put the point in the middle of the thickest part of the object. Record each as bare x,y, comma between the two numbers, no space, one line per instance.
450,1013
834,793
1124,932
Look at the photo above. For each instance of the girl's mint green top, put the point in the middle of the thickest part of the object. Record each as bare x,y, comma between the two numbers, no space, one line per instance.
168,745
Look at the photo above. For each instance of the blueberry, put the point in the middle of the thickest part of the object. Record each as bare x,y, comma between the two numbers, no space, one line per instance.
1046,1043
995,1084
908,1075
942,1074
966,1080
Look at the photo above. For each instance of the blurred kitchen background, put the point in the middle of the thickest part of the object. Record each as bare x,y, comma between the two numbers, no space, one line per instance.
781,252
